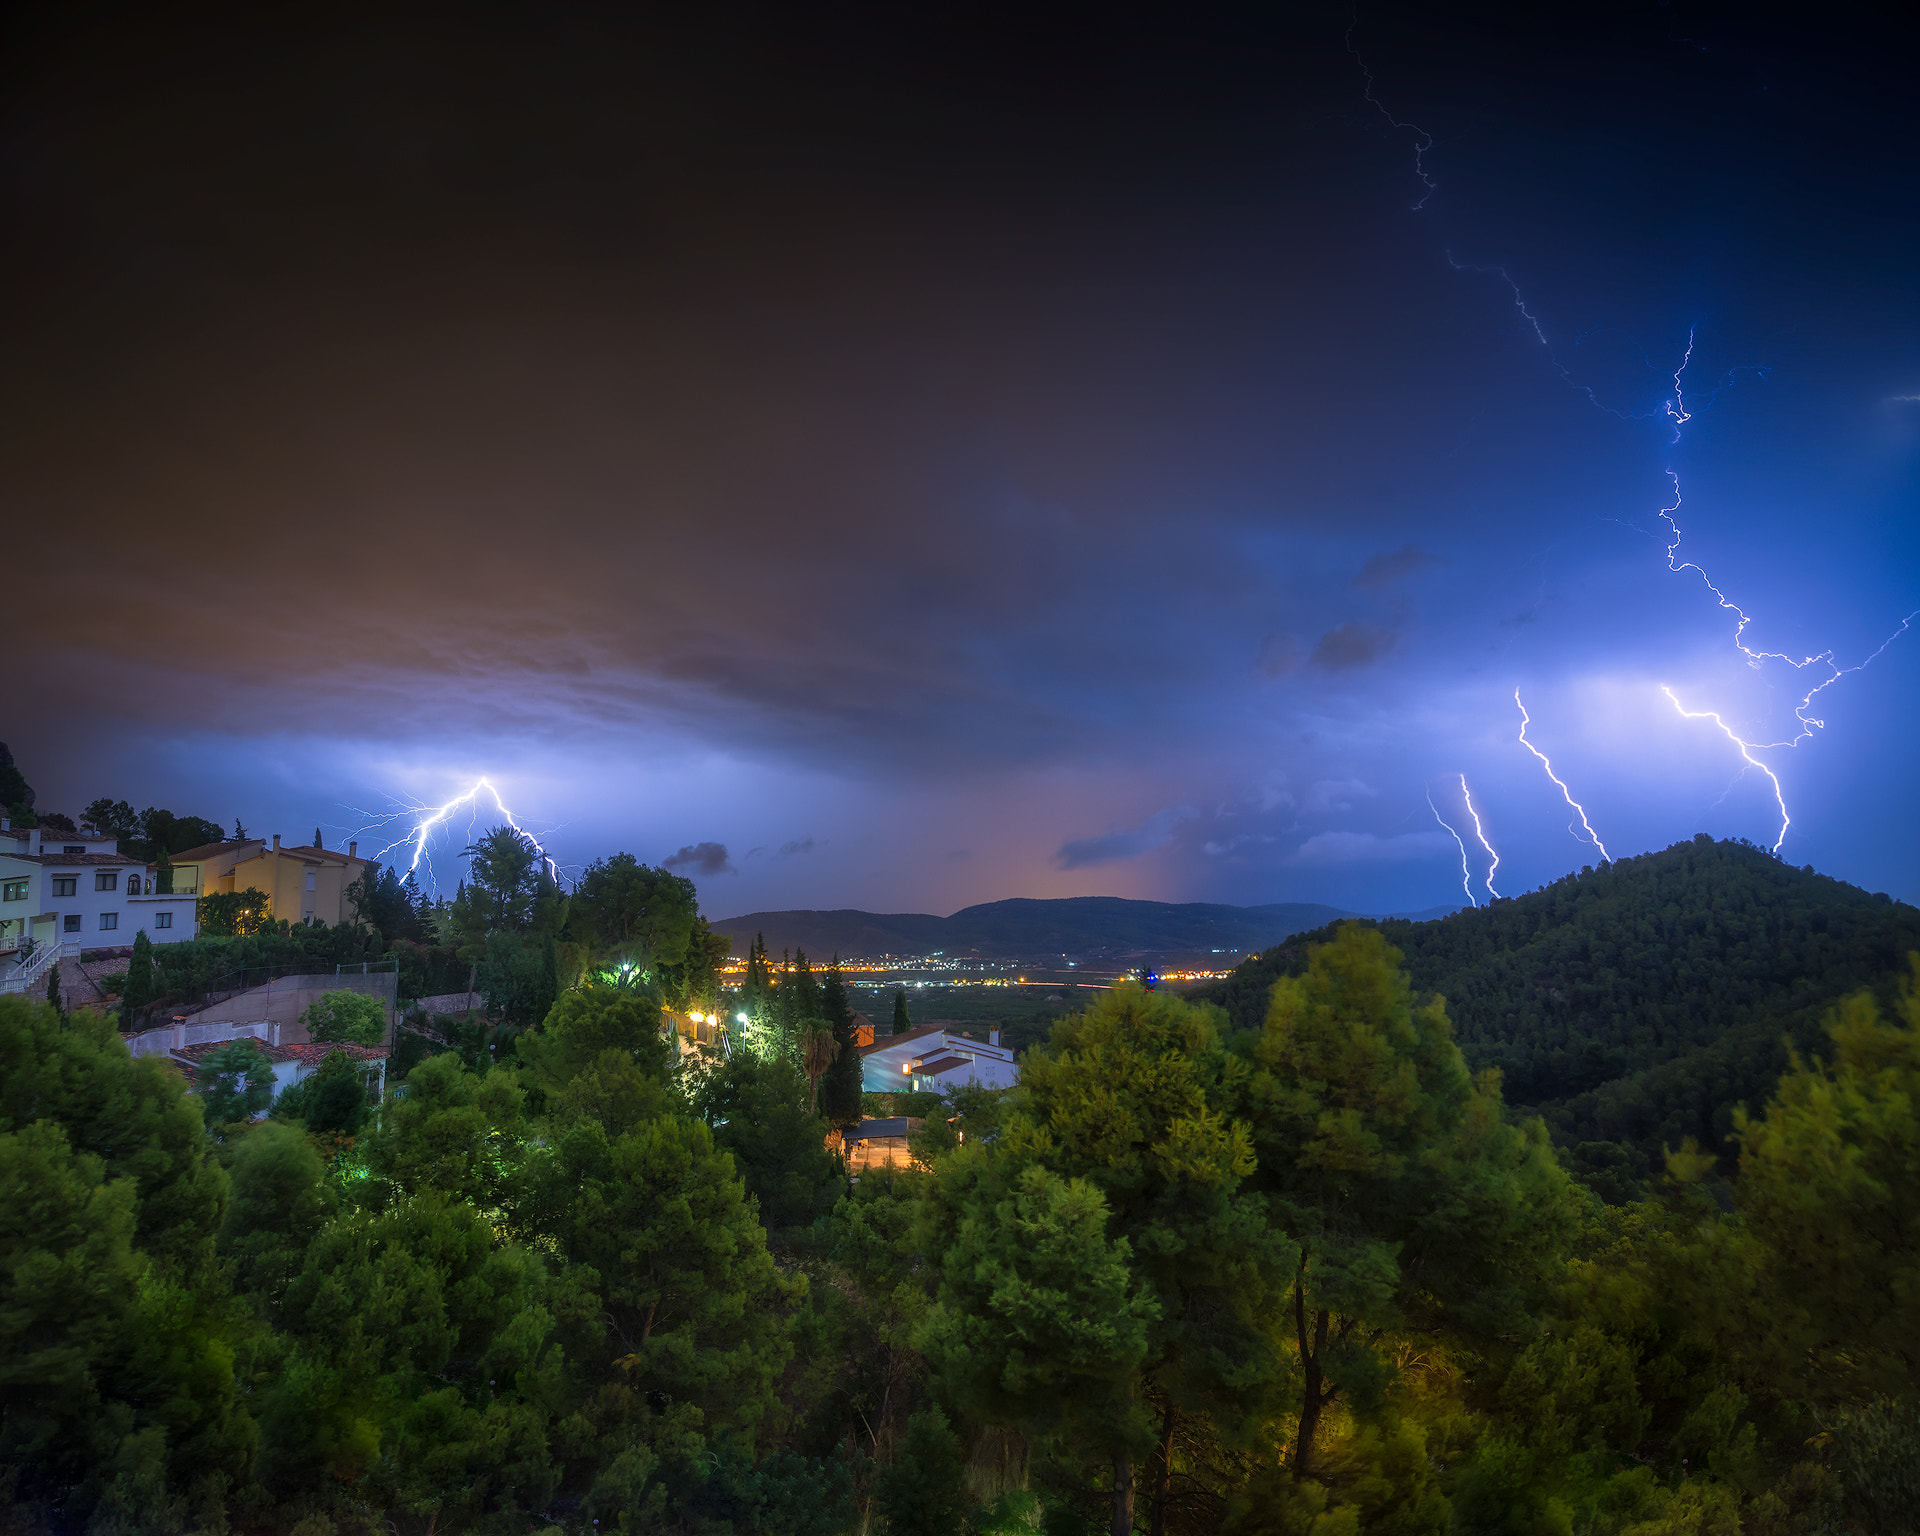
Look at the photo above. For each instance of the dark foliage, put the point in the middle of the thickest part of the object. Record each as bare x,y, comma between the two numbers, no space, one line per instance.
1639,1003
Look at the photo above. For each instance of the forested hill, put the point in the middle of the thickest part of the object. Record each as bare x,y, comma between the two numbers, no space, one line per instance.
1638,1003
1024,928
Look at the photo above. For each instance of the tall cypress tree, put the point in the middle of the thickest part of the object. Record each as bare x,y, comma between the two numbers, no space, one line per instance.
902,1021
840,1087
757,990
139,988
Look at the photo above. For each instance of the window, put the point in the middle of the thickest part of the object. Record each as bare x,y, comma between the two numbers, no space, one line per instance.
70,923
133,885
163,919
66,885
309,879
106,879
17,890
109,920
73,848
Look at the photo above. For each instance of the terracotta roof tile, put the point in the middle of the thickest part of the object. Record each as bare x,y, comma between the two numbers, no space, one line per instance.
209,850
63,860
312,1052
323,855
195,1054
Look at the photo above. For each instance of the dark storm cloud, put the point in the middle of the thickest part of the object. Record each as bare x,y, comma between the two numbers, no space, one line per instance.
1383,570
1085,852
1352,645
935,408
702,859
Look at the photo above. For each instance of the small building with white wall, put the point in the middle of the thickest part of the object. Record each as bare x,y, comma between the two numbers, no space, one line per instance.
933,1059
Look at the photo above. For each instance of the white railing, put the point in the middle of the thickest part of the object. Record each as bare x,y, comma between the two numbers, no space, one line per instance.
172,1037
24,973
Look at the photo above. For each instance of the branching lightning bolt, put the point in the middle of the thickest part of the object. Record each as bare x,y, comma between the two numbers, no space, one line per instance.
432,816
1579,810
1679,415
1466,874
1481,833
1746,751
1827,670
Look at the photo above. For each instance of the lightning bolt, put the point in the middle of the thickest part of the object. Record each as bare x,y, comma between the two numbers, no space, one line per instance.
1481,832
1747,750
1822,666
1579,810
1679,415
1466,875
432,816
1422,141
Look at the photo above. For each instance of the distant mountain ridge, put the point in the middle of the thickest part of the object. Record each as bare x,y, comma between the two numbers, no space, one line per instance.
1030,928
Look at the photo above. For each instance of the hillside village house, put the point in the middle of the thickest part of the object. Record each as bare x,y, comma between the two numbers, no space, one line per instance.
302,885
932,1059
69,892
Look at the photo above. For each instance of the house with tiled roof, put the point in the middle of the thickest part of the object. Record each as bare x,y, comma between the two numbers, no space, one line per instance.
61,893
293,1063
304,884
934,1059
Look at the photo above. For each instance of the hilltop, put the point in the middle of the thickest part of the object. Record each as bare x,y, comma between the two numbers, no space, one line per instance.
1028,928
1640,1002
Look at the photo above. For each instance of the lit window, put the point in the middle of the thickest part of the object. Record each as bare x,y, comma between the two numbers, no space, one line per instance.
163,919
106,879
66,885
17,890
70,923
109,920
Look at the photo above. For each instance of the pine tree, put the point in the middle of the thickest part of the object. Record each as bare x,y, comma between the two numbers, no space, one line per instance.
1415,1204
139,988
902,1020
53,989
756,992
840,1101
1114,1194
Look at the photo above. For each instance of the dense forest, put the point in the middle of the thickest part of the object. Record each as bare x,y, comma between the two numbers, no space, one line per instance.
1287,1267
1640,1003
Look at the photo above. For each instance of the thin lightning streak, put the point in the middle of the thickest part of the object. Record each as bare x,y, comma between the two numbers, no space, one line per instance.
1679,415
1677,412
1580,810
1423,141
417,836
1481,833
1466,874
1747,750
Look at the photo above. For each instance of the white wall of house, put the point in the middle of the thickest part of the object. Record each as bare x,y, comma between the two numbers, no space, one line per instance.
96,898
895,1064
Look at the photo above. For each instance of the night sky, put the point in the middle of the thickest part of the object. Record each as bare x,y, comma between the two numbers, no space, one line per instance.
932,454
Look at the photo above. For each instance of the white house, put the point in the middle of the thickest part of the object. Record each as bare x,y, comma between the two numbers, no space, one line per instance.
77,892
291,1063
933,1060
